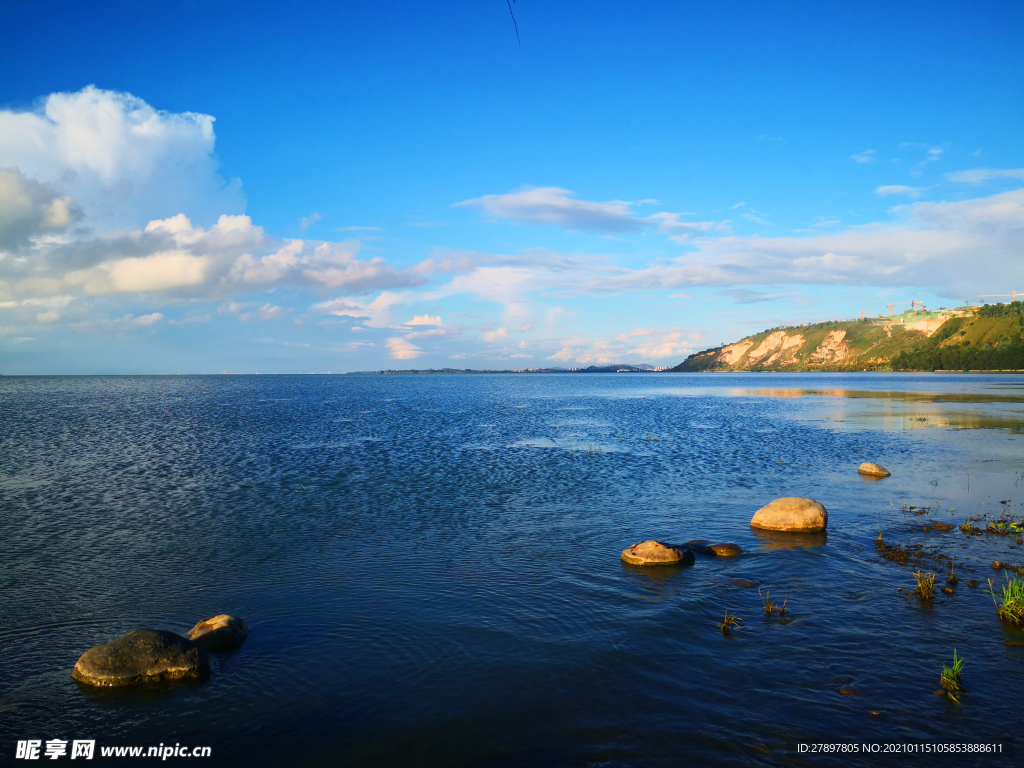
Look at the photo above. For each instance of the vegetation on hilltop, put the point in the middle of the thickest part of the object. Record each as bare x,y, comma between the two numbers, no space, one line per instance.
992,340
990,337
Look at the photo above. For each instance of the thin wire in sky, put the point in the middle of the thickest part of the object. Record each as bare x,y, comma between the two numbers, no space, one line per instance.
514,20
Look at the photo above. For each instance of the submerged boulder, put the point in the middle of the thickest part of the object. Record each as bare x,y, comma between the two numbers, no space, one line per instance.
220,633
727,549
791,513
718,549
656,553
873,470
746,583
142,656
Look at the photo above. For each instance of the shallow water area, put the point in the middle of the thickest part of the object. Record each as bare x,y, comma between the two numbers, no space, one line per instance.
430,568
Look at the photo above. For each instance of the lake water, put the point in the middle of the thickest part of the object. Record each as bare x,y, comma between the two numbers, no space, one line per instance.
430,564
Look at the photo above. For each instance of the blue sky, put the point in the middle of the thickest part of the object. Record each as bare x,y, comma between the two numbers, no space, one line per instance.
406,185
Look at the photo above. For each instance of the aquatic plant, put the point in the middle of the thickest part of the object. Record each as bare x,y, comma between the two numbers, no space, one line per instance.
1012,607
951,573
729,623
968,527
950,680
925,589
766,603
997,526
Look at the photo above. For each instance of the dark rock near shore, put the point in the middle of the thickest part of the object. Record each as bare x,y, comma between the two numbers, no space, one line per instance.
655,553
873,470
791,513
142,656
1014,643
220,633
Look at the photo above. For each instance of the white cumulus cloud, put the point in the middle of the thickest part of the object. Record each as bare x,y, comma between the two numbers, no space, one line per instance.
29,208
424,320
402,349
121,159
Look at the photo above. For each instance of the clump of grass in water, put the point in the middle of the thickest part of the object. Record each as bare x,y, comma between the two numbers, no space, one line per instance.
951,573
950,680
1012,608
729,623
769,606
925,589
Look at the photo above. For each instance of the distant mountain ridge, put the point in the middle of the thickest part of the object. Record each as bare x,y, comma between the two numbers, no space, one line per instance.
614,368
989,337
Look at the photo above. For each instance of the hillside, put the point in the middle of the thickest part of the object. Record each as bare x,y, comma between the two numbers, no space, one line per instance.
990,337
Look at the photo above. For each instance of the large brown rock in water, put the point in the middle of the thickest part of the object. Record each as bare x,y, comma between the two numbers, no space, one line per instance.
220,633
791,513
656,553
142,656
873,470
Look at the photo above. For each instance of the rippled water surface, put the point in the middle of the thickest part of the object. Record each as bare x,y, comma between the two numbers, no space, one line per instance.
430,564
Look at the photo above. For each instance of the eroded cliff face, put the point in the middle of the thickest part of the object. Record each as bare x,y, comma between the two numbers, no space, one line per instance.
927,327
779,347
732,354
834,349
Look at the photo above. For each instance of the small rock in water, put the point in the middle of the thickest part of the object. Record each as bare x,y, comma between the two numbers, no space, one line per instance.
791,513
726,550
940,526
947,590
849,690
996,564
142,656
220,633
972,583
746,583
1014,643
873,470
656,553
706,547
